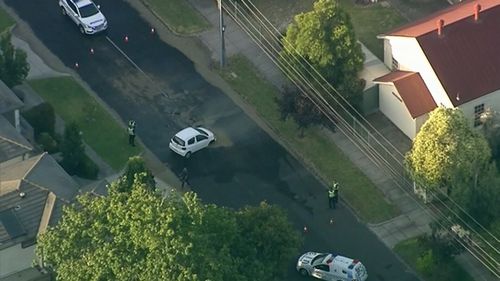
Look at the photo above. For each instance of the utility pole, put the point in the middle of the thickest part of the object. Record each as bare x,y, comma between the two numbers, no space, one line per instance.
221,28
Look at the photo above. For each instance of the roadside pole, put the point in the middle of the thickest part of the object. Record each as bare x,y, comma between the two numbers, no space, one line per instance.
221,28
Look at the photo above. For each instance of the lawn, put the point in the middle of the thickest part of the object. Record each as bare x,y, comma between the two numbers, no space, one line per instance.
5,21
410,250
178,15
315,149
100,130
370,21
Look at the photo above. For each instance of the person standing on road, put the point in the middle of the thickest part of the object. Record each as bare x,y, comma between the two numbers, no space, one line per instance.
336,192
183,176
331,198
131,132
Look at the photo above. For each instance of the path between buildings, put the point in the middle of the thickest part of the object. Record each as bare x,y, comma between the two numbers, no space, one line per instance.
415,218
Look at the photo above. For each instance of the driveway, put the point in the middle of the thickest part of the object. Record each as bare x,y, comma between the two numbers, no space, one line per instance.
148,80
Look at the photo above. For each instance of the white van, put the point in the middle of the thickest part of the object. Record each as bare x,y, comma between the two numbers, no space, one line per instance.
331,267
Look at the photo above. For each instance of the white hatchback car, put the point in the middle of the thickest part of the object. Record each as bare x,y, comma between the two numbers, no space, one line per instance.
85,14
190,140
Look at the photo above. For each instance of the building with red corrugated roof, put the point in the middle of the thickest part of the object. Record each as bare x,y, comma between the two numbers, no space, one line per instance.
450,58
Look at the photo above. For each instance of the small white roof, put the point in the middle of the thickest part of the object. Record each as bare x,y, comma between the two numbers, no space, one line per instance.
81,3
187,133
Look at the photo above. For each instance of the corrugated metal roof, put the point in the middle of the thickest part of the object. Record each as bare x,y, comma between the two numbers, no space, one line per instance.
466,58
449,15
413,91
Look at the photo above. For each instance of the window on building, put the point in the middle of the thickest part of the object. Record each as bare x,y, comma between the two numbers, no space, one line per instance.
395,64
478,111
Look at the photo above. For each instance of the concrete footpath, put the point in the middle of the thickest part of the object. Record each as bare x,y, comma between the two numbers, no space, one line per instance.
414,219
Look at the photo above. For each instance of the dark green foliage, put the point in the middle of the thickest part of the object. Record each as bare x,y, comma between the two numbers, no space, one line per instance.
48,143
324,39
13,65
72,149
303,111
141,235
42,118
136,170
87,168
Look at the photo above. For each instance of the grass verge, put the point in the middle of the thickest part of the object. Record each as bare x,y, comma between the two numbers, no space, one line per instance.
370,21
6,21
412,251
178,15
100,130
315,149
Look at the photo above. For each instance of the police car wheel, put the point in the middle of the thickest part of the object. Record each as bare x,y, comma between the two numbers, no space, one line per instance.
303,272
188,155
63,11
82,30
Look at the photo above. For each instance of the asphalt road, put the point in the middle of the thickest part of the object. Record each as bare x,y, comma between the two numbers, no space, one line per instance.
147,80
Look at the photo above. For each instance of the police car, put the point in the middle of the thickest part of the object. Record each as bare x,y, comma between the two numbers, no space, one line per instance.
85,14
331,267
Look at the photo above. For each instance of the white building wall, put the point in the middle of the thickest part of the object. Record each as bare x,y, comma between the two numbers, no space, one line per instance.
394,108
407,52
15,259
491,100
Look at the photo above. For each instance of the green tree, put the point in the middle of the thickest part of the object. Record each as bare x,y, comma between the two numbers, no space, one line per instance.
72,149
13,65
136,170
447,151
142,236
491,130
303,111
325,38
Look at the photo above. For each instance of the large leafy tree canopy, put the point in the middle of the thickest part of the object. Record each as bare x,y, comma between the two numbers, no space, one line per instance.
139,235
325,38
447,151
13,65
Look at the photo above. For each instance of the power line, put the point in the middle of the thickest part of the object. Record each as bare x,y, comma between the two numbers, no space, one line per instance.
320,102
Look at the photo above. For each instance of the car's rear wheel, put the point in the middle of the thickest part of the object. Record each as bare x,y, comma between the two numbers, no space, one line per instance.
188,154
82,30
63,11
303,272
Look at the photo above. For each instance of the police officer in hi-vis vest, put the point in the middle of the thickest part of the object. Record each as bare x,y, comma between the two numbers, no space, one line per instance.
131,132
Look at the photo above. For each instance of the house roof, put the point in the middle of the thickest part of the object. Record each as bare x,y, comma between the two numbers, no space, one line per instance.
20,217
45,187
12,144
449,15
465,58
8,100
43,171
412,89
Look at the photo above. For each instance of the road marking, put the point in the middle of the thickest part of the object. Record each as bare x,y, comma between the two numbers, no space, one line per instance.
136,66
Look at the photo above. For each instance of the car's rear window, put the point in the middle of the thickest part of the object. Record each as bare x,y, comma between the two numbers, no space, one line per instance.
178,141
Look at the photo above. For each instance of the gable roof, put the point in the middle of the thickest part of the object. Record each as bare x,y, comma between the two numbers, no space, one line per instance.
45,187
465,58
12,144
8,100
43,171
412,89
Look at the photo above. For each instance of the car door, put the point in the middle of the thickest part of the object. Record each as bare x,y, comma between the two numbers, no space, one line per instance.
191,145
321,271
73,12
201,141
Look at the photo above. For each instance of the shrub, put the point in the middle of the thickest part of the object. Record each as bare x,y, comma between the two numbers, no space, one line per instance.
72,149
48,143
426,263
42,118
87,168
